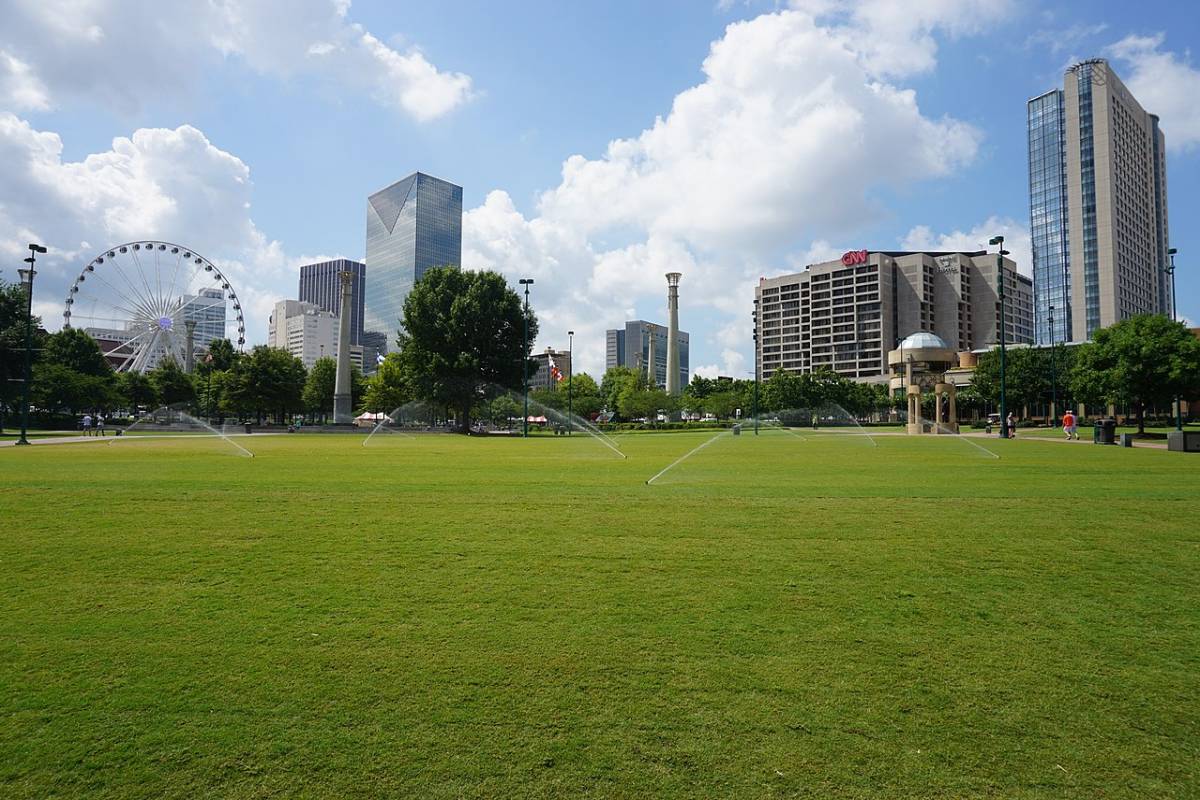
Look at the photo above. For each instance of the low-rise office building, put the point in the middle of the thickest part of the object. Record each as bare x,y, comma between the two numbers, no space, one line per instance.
553,366
846,315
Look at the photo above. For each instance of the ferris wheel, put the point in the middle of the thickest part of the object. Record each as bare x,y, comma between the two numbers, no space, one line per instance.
148,301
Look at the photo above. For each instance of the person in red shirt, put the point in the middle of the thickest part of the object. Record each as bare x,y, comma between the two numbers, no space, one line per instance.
1069,425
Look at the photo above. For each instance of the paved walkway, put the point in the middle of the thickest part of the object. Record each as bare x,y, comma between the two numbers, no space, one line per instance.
133,437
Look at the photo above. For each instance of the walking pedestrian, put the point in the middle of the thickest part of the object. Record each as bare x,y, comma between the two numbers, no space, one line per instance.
87,424
1069,425
1011,424
99,424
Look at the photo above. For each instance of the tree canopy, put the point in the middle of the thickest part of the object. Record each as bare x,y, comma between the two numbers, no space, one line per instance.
463,338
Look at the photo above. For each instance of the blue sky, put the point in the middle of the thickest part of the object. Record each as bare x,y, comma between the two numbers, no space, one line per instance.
751,138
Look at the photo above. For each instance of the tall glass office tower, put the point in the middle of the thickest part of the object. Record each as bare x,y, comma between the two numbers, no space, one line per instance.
1048,217
1097,205
320,285
412,225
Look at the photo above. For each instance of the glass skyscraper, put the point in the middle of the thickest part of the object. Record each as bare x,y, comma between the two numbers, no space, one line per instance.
320,285
1097,205
1048,217
412,225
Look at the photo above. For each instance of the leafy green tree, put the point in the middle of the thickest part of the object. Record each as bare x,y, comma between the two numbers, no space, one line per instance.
57,388
172,385
389,388
584,395
267,380
136,390
1143,361
463,338
614,382
221,355
13,305
549,398
75,349
502,409
319,388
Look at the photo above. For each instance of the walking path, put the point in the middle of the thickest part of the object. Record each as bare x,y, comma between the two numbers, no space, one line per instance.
80,438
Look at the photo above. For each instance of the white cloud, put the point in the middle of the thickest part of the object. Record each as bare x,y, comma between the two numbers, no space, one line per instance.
1165,84
122,54
896,39
158,183
788,138
1016,240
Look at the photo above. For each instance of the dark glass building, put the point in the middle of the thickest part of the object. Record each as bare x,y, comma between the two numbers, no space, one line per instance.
638,343
412,225
320,286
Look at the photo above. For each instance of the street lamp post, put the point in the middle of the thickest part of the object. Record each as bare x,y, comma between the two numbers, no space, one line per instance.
570,381
1170,270
27,276
999,240
1053,372
754,327
526,282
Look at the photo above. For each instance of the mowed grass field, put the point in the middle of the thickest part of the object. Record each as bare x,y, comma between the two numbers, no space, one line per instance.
443,617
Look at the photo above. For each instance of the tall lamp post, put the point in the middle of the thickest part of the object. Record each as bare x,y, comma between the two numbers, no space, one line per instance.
1053,372
526,282
570,380
999,240
27,276
1170,270
754,327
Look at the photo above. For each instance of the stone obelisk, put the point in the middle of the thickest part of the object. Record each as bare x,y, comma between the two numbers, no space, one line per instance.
343,413
189,346
673,386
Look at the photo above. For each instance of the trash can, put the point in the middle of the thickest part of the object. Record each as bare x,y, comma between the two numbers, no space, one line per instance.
1126,440
737,430
247,427
1104,431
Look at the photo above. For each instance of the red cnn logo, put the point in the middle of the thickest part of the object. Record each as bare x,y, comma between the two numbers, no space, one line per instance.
853,257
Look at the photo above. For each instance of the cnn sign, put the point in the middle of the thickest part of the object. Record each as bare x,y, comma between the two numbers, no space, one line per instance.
854,257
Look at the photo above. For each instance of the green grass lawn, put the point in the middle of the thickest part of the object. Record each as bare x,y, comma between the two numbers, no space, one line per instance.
443,617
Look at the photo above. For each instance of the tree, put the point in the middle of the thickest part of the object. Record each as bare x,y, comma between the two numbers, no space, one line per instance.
57,388
503,409
464,338
1144,360
135,390
76,350
172,385
388,388
13,305
266,380
222,354
613,384
583,394
319,388
549,398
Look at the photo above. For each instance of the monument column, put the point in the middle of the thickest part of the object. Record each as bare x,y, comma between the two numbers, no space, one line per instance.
343,412
189,352
673,387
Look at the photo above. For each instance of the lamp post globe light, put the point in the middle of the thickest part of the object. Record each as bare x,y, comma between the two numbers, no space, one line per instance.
570,380
1170,270
999,240
27,276
526,282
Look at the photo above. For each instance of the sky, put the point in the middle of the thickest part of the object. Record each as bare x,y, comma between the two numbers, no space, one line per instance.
599,145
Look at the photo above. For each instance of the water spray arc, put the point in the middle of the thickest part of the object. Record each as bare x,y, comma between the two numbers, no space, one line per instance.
172,419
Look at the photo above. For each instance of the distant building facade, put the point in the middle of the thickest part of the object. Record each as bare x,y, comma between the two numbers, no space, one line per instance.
1098,205
640,341
846,315
307,332
319,285
544,378
412,225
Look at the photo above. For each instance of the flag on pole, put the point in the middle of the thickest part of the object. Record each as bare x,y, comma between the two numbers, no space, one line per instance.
555,372
379,359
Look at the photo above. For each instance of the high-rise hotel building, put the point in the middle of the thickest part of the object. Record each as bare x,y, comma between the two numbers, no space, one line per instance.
846,315
412,225
1098,205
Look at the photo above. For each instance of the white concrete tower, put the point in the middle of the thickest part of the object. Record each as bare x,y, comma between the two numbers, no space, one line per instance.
343,411
673,386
